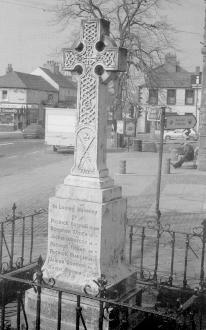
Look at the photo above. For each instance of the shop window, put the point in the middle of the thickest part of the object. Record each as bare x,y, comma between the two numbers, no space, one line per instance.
189,96
4,95
171,96
153,96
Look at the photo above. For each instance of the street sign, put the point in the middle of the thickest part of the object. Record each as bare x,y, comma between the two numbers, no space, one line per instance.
154,114
180,121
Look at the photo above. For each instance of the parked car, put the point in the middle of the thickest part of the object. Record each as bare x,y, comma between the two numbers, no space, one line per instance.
189,134
33,131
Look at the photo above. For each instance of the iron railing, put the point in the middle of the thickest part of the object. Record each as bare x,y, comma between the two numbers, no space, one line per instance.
175,256
118,315
17,243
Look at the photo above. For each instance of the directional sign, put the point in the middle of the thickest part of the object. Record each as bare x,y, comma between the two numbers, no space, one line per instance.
180,121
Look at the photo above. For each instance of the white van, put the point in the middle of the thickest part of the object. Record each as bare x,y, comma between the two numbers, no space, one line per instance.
60,126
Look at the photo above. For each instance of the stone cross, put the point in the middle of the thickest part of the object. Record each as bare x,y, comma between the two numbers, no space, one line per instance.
95,57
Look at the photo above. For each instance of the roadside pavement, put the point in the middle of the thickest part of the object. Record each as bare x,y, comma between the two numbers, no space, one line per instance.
11,135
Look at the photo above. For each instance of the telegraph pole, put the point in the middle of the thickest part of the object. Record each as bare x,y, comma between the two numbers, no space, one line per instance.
202,123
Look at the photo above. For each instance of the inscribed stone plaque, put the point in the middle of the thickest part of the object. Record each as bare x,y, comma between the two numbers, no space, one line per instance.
73,241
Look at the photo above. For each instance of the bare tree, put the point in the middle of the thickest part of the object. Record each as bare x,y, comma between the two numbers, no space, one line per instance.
136,25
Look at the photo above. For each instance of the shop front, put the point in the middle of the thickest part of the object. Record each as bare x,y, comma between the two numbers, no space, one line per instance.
17,116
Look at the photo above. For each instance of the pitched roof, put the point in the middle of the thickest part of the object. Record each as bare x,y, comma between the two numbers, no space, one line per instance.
22,80
60,79
161,78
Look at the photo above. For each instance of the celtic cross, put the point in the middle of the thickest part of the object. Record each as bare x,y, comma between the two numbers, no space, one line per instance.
95,57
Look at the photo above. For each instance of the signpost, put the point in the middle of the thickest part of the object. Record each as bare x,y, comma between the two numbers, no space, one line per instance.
180,121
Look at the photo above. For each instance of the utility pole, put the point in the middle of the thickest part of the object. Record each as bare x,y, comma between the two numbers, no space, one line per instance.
202,123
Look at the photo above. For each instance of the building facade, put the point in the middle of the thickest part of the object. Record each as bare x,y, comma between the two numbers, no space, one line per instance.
67,88
172,86
22,100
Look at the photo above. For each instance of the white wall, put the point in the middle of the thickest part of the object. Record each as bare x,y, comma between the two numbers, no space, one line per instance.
14,95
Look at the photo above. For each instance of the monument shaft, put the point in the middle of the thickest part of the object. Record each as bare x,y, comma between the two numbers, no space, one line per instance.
92,58
87,216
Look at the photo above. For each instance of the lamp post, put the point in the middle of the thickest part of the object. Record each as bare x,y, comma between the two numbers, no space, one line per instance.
202,123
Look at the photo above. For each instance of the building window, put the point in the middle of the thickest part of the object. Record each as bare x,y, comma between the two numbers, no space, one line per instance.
171,96
50,98
153,96
189,96
4,95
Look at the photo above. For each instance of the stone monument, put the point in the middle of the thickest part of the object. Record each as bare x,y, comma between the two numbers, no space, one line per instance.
87,216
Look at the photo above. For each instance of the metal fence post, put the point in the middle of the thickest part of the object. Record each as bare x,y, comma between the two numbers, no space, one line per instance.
187,242
3,305
23,241
157,252
39,278
59,310
18,309
130,244
202,271
12,235
32,238
1,244
142,253
172,259
78,311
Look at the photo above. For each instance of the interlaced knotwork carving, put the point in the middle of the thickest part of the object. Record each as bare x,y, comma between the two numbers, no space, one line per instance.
87,98
70,59
107,58
90,32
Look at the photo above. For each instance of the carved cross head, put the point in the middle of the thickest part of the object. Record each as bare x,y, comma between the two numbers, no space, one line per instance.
94,58
95,50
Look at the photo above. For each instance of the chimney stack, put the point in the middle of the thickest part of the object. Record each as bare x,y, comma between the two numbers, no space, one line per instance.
9,68
52,66
171,63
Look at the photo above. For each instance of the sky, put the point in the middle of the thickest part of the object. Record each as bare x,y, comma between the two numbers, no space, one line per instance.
29,35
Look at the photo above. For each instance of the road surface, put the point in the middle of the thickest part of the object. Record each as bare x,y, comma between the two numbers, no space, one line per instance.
30,172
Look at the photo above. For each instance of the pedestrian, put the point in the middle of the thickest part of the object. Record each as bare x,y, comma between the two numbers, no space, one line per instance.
187,156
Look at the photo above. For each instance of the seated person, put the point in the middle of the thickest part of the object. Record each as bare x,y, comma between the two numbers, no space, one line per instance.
188,155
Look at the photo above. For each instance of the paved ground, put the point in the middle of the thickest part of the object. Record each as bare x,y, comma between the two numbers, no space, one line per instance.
182,201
